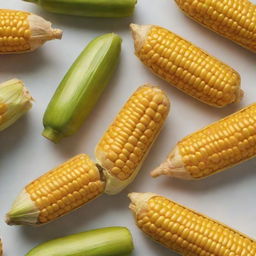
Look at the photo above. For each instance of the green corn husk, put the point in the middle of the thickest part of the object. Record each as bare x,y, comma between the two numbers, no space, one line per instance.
81,87
89,8
113,241
15,101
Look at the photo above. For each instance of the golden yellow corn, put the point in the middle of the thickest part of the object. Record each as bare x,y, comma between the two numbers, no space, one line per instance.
127,141
24,32
185,231
58,192
186,66
119,153
216,147
233,19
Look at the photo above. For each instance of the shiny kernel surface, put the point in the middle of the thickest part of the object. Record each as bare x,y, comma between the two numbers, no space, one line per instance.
220,145
234,19
14,31
66,188
190,69
190,233
127,140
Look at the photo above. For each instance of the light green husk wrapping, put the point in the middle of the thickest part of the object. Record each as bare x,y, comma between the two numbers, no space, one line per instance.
81,87
89,8
15,101
113,241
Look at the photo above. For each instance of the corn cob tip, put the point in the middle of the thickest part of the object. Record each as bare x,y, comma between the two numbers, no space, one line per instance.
139,34
57,33
41,31
23,211
139,201
53,135
173,167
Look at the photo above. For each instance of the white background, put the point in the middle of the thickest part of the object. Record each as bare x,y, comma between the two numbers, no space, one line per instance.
25,154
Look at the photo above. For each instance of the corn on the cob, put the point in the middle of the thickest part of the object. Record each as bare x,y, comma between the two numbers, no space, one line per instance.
89,8
81,87
185,231
112,241
120,154
186,66
58,192
127,141
216,147
233,19
15,101
24,32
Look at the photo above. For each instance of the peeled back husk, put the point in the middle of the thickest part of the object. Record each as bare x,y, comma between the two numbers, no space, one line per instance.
15,101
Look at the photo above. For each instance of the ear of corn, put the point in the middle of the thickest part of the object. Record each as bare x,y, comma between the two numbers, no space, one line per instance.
127,141
186,66
24,32
89,8
15,101
81,87
216,147
120,154
233,19
65,188
112,241
186,231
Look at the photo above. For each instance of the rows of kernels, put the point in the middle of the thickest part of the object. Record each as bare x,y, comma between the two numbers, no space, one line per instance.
14,31
220,145
189,68
234,19
129,137
190,233
66,188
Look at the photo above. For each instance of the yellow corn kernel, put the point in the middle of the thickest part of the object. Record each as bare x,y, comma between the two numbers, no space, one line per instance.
186,66
216,147
185,231
58,192
128,139
233,19
23,32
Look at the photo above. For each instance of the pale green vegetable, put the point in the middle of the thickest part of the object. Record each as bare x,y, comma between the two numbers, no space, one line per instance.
113,241
81,87
15,101
89,8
